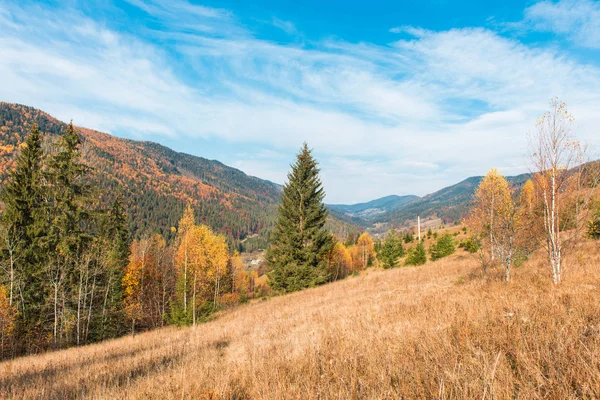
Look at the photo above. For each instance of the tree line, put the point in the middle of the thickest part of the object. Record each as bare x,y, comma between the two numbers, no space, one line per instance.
71,273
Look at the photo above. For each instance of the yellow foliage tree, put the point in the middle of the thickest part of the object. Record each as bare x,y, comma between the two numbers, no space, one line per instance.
7,321
182,257
239,277
365,249
340,262
491,203
202,257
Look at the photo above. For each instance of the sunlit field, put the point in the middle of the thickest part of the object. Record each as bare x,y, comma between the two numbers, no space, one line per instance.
442,330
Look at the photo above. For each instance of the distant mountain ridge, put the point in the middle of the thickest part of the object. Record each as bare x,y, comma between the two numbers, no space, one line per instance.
372,209
451,203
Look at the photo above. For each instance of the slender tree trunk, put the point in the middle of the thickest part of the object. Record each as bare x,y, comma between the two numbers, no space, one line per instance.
55,312
12,275
185,265
216,289
194,302
89,318
79,306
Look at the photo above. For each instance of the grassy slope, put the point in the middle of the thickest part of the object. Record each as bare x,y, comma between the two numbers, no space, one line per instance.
440,330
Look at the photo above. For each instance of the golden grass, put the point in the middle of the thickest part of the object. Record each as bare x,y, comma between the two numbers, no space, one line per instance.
436,331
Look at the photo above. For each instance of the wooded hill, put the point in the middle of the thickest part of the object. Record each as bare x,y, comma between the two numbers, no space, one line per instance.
154,181
449,204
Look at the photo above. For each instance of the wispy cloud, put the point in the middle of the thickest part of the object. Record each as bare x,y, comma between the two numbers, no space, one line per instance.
578,20
424,111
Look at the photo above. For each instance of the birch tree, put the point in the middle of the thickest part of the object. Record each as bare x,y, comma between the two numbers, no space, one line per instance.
554,151
492,200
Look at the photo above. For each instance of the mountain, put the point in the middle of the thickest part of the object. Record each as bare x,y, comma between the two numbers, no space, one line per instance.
155,181
449,204
365,212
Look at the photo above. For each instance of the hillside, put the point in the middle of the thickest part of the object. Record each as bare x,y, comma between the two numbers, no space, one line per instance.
442,330
449,204
365,212
155,181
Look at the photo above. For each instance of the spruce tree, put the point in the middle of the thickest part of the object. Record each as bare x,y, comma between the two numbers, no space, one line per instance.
299,241
68,214
391,250
118,238
22,198
416,255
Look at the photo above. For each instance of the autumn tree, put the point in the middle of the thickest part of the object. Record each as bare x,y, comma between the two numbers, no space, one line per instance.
365,249
340,262
492,200
299,241
7,322
183,260
239,278
554,152
145,292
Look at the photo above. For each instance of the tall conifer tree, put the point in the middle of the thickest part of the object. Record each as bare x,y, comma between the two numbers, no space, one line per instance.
299,242
22,198
117,235
68,215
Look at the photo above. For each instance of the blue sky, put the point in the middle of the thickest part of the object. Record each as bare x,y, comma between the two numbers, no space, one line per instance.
400,97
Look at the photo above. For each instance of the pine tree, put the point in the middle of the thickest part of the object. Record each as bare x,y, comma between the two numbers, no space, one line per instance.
391,250
299,242
443,247
416,255
22,198
68,218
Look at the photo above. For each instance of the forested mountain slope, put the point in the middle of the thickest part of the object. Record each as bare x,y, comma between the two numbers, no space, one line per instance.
450,203
155,181
364,212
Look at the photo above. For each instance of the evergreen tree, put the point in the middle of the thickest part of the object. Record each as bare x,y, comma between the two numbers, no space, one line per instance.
391,250
443,247
299,241
67,232
118,239
416,255
22,198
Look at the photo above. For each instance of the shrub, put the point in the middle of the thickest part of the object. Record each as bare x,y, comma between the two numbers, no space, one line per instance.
391,250
416,255
472,244
443,247
229,300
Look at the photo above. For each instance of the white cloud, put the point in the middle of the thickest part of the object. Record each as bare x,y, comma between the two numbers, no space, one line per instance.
578,20
411,117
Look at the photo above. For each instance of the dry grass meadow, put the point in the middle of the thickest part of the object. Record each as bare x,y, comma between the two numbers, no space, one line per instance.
437,331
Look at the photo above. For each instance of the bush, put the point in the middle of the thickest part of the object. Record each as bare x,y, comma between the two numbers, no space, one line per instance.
443,247
390,250
229,300
416,255
472,244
